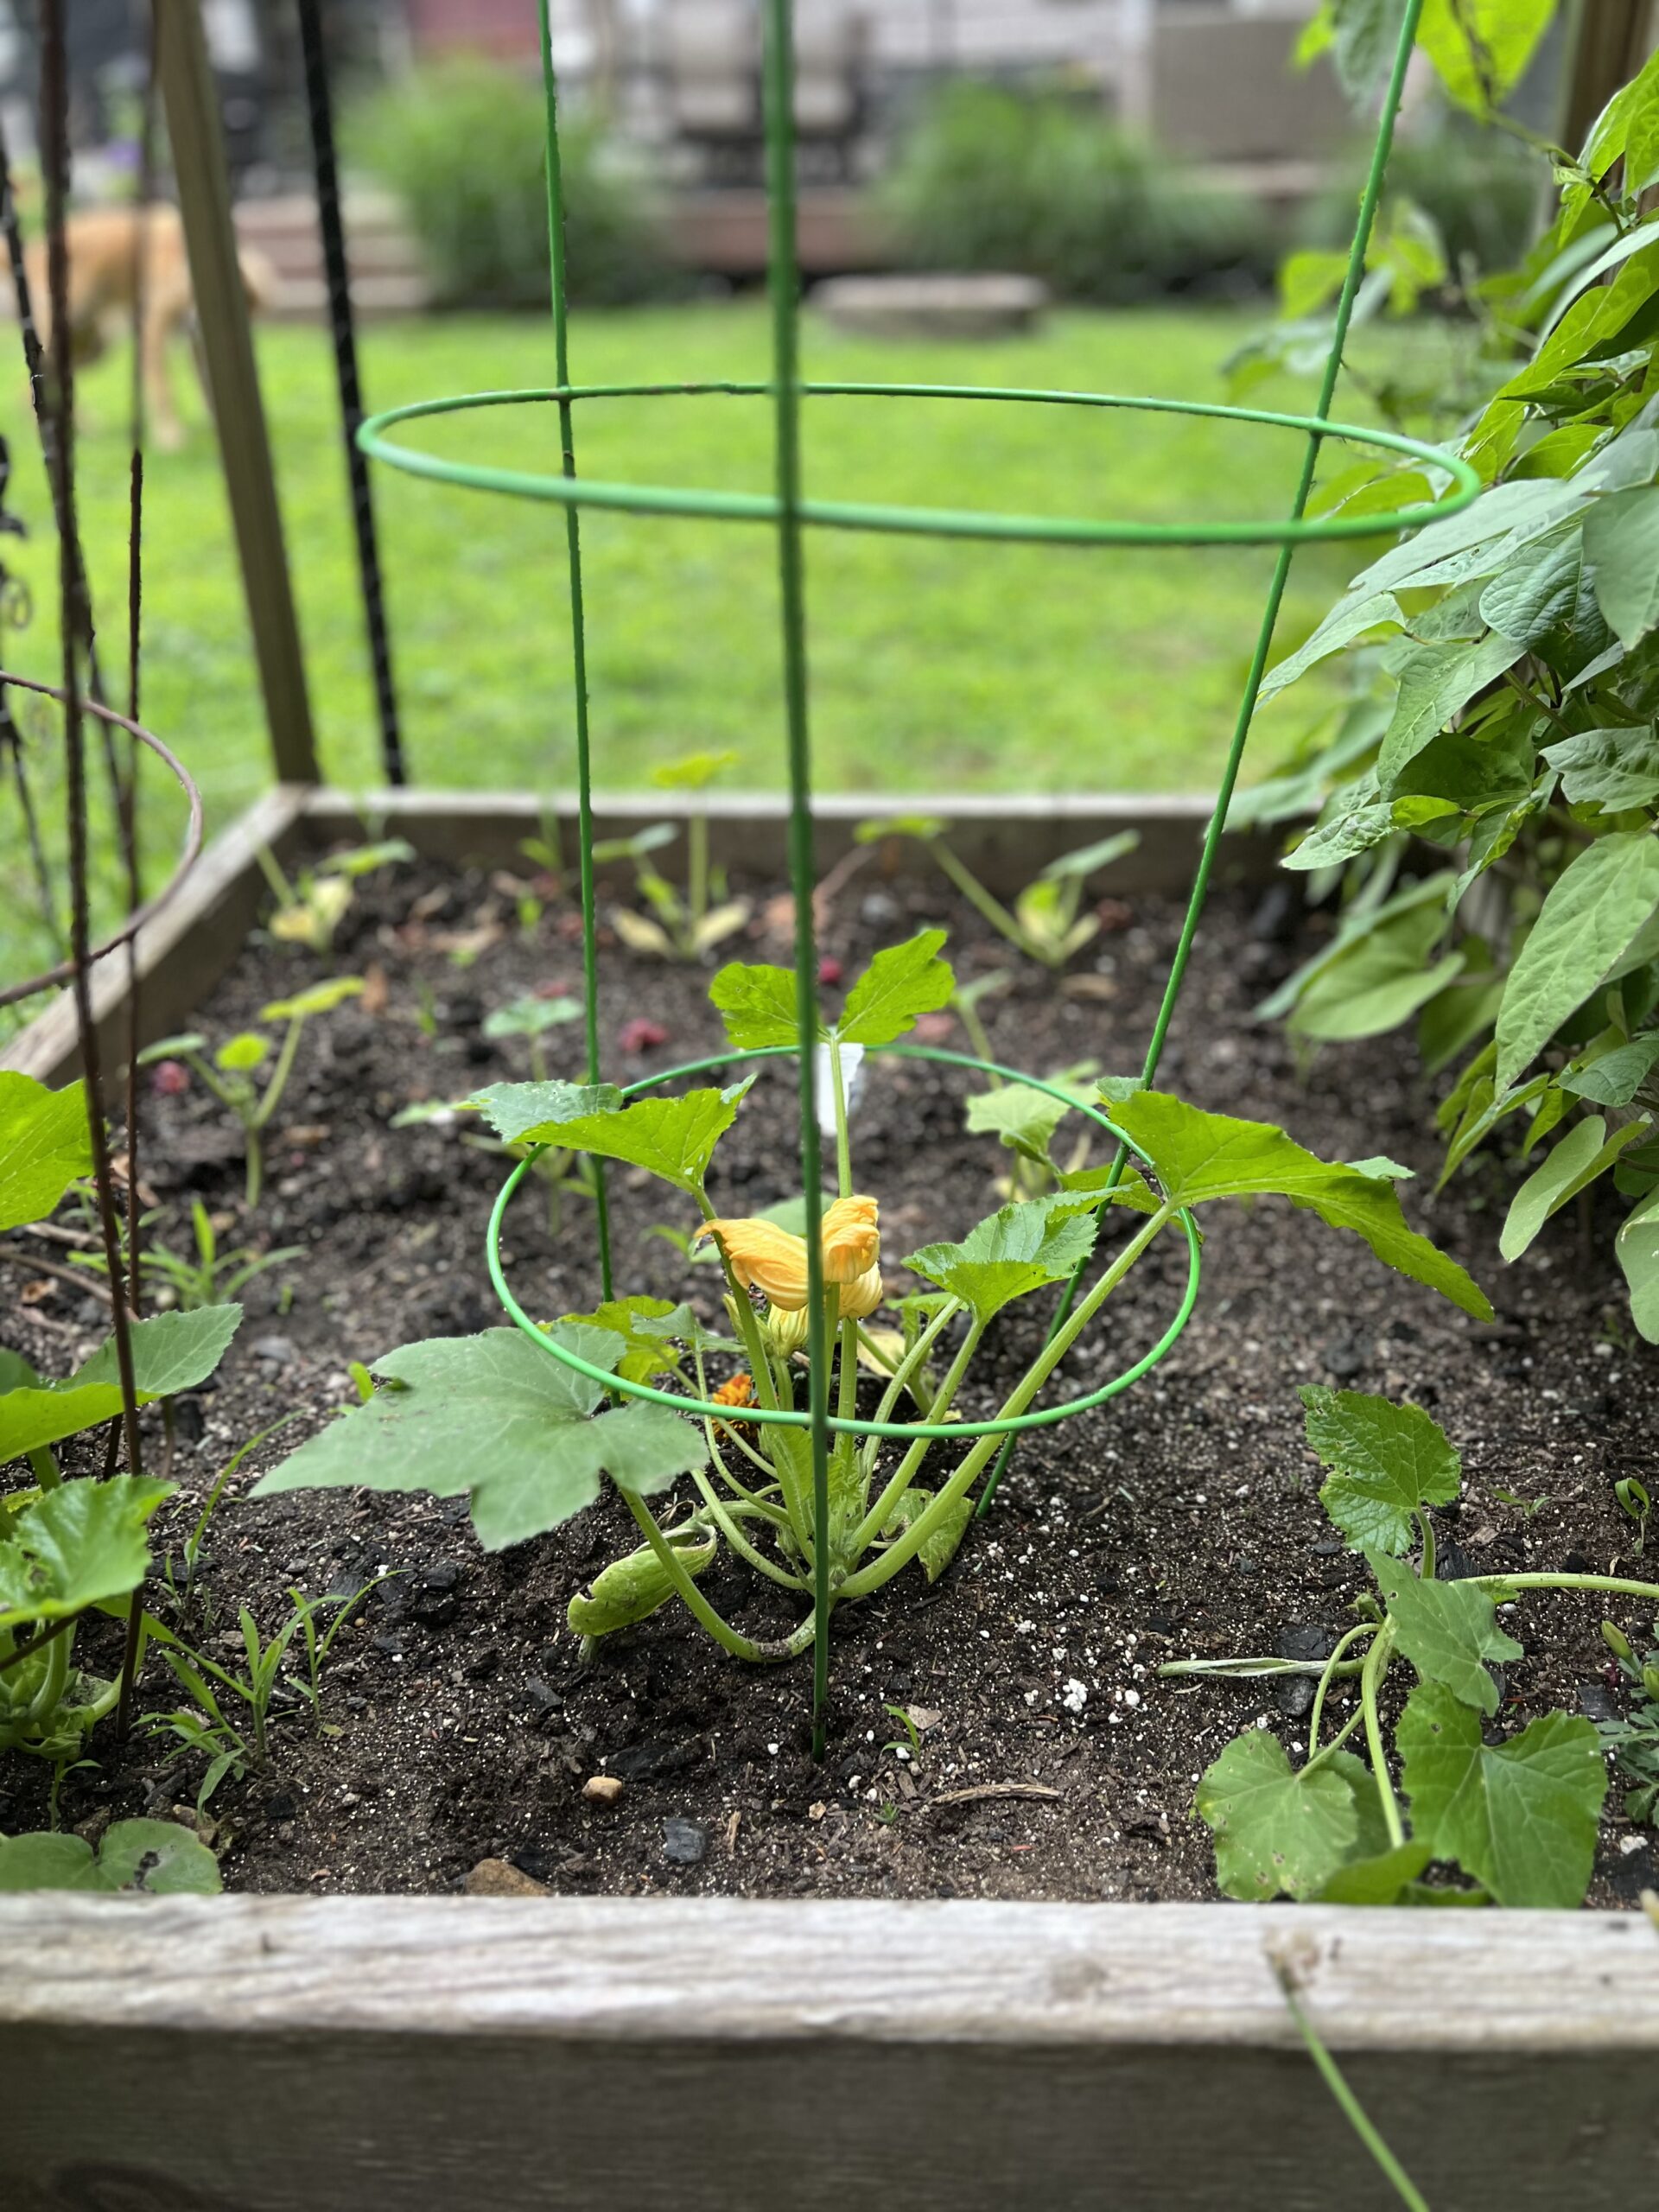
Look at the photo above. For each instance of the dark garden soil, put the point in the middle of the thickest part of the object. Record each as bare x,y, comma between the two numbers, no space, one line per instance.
461,1721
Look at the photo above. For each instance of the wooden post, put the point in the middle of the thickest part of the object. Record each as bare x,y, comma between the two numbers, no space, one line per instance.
192,120
1611,40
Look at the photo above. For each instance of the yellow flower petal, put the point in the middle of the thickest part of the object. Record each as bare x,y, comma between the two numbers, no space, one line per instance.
851,1239
767,1258
763,1257
861,1297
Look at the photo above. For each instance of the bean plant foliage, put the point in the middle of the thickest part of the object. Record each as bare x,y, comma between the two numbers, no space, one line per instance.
1504,673
531,1439
71,1546
1512,1812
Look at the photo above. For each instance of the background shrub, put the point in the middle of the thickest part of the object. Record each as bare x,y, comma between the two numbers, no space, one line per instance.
1483,189
991,178
460,146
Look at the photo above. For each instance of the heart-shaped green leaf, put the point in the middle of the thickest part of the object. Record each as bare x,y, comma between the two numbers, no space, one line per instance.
1278,1832
1387,1462
1520,1816
45,1146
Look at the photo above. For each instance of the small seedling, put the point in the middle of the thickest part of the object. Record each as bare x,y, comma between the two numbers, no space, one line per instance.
531,1017
184,1591
1044,923
1528,1506
1634,1741
1637,1501
311,907
911,1741
231,1073
233,1746
691,922
211,1276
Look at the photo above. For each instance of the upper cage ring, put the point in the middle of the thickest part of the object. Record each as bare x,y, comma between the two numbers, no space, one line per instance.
576,491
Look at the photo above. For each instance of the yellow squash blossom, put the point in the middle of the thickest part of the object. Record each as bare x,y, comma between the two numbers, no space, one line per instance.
767,1258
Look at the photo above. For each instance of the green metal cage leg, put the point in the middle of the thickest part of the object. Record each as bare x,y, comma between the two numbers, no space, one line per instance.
1212,835
556,241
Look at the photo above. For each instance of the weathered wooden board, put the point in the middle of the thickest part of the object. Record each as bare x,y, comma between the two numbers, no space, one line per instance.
1006,840
392,2054
180,956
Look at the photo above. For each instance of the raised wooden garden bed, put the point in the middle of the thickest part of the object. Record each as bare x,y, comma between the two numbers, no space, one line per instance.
257,2052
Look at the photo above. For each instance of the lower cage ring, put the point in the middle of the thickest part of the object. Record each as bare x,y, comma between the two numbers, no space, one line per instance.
780,1417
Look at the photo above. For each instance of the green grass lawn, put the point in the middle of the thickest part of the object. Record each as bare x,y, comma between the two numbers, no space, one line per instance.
935,664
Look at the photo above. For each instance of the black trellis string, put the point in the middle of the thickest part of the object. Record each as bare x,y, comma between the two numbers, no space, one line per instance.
342,327
55,150
79,607
14,613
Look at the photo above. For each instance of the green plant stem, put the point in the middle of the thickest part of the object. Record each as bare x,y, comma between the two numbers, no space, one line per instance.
978,897
697,888
734,1536
844,1128
1352,2111
728,1638
556,254
1260,1670
1426,1528
1364,1628
44,1702
847,1397
273,1091
1319,1758
900,1554
43,1465
1370,1683
914,1361
910,1466
978,1036
1617,1584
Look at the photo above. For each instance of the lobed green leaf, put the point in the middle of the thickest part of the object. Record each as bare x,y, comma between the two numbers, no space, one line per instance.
674,1138
1198,1157
1011,1253
1448,1631
493,1416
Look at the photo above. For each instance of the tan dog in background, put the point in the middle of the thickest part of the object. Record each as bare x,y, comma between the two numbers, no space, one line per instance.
107,247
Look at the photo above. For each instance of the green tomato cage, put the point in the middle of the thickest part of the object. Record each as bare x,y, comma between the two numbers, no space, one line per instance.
790,513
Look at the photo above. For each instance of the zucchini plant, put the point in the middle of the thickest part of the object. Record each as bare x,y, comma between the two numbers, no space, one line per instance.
529,1435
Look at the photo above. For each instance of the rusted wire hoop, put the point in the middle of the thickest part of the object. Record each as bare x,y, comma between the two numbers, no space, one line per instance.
45,981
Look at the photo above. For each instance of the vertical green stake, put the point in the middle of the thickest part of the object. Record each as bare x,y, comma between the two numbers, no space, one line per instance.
578,631
783,278
1212,835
